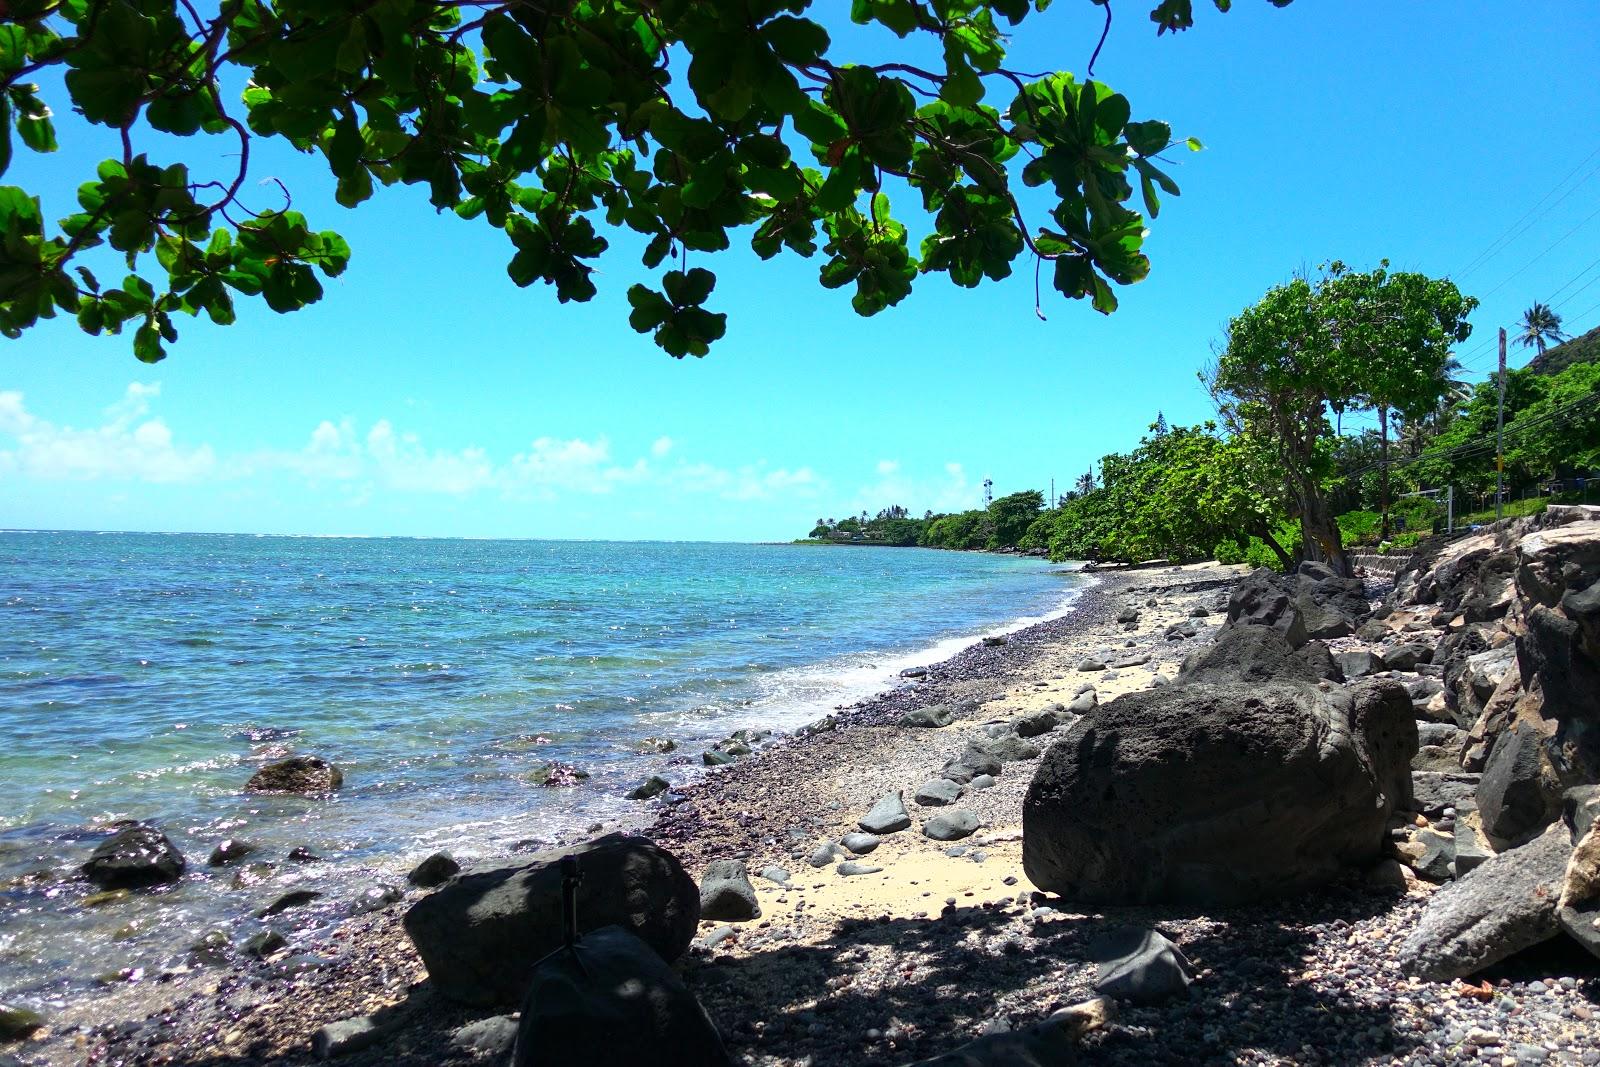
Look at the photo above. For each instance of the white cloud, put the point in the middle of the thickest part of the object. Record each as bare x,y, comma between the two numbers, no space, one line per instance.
661,447
887,467
128,444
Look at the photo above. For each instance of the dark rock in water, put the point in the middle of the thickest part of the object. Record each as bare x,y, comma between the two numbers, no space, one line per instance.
231,850
436,870
887,816
652,786
478,934
937,793
932,717
850,868
557,775
712,758
726,894
1517,795
659,746
860,844
375,898
17,1023
301,854
951,825
1259,599
1503,907
1040,722
345,1036
134,857
613,1001
1358,664
914,672
491,1038
262,944
1139,965
212,948
297,774
295,898
1433,791
1218,792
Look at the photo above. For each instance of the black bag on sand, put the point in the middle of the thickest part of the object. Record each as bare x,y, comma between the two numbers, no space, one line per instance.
608,999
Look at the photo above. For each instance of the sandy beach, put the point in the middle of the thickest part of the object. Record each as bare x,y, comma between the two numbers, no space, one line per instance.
944,942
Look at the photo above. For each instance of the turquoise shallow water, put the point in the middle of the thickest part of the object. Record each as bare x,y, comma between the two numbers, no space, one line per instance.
146,676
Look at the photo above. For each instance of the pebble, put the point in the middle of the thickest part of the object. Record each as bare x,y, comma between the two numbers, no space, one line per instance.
346,1035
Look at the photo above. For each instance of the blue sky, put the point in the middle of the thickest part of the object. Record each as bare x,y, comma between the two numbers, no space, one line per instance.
428,395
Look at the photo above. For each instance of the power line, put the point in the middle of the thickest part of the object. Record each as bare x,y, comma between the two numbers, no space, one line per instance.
1518,273
1516,229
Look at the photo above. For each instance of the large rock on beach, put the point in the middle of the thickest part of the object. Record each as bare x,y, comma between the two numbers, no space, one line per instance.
1218,792
1504,906
614,1002
480,934
1244,653
1518,795
297,774
135,857
1260,599
952,825
1139,965
932,717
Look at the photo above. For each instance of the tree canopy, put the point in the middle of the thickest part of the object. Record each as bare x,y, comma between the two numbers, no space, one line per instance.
683,121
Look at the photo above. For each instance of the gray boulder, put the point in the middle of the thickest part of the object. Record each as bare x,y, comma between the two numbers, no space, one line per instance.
1007,748
480,932
1506,905
726,894
1260,599
1358,664
345,1036
1084,701
1243,653
887,816
1040,722
850,869
1472,848
297,774
1433,791
493,1037
1218,792
652,786
1517,796
937,793
1139,965
825,854
972,762
1405,657
932,717
951,825
135,857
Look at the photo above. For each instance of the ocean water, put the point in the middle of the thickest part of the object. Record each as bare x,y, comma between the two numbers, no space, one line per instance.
146,676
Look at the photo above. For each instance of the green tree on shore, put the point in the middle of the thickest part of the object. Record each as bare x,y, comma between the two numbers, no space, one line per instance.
683,121
1346,340
1541,327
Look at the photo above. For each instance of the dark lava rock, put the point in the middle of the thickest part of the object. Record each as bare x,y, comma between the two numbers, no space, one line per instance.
1139,965
726,894
1040,722
1218,792
613,1001
931,717
1243,653
951,825
231,850
652,786
1260,599
134,857
436,870
301,854
1516,796
297,774
1358,664
293,899
479,933
937,793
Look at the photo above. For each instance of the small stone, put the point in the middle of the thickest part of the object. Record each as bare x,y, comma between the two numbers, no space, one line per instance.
982,781
1089,665
231,850
301,854
263,944
937,793
824,855
851,868
293,899
713,758
726,893
860,844
887,816
344,1036
652,786
493,1037
776,875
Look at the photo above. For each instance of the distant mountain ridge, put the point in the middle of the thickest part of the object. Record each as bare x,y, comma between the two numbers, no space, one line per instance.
1584,349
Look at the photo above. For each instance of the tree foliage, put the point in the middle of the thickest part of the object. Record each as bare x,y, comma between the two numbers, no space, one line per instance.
1347,340
682,121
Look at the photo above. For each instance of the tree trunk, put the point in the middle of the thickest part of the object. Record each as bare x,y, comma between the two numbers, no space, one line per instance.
1383,470
1277,550
1319,534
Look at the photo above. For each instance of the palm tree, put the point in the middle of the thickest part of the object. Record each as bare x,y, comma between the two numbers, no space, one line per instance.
1085,483
1540,327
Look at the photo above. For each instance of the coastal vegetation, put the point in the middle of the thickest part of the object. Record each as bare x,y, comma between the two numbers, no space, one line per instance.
553,124
1249,486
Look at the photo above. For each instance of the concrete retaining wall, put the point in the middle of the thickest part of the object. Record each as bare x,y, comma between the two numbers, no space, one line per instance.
1374,564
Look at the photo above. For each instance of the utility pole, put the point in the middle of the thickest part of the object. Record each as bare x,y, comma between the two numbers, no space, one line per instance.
1052,494
1499,436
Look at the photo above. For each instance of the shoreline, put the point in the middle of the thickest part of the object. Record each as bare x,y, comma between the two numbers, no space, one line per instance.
944,943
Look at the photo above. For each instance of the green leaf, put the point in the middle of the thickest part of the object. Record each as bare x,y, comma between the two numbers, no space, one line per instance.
147,343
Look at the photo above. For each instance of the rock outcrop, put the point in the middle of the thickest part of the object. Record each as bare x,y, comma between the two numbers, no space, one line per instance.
482,931
297,774
137,856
